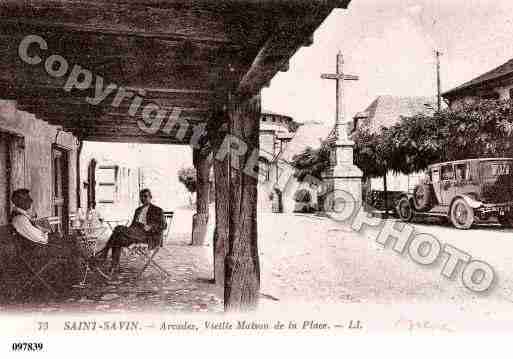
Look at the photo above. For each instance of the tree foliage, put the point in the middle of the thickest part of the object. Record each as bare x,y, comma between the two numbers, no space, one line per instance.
311,162
303,196
187,176
484,128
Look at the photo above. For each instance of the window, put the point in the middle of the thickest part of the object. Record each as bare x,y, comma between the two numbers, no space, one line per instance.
61,181
447,172
106,177
494,169
12,171
435,175
264,169
462,172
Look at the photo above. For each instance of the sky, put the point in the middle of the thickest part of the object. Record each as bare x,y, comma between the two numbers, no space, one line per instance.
390,45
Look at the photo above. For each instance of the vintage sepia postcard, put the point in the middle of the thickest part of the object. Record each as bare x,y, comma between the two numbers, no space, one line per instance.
227,167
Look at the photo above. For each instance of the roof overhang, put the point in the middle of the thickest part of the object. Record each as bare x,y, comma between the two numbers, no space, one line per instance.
179,59
489,82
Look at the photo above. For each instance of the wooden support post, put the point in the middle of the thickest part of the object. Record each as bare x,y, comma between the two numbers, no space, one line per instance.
222,232
217,131
202,163
242,268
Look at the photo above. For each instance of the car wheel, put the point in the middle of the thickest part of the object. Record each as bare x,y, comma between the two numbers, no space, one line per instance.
506,221
462,215
404,210
422,197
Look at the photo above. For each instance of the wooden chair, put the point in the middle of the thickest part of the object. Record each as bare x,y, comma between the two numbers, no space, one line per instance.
168,217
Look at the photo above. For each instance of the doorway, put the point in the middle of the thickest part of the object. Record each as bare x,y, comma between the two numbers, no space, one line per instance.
5,179
91,185
60,190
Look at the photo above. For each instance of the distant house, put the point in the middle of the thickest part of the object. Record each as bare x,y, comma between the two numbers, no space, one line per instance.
283,184
113,174
385,111
111,179
495,84
276,132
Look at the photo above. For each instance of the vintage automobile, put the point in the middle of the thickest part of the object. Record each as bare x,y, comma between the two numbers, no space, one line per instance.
464,191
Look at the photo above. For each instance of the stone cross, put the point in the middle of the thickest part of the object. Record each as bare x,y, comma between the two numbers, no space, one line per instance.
340,77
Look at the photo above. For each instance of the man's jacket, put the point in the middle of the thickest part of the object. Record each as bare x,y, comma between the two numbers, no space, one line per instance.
155,219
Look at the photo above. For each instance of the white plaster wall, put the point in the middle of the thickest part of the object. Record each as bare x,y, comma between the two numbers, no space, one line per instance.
39,137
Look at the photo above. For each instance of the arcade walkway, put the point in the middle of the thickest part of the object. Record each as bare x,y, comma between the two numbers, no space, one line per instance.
189,288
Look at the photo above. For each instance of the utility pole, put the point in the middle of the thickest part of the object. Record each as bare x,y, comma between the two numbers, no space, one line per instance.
438,85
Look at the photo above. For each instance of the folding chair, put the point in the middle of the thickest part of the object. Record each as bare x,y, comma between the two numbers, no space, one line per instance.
168,217
87,251
148,253
21,245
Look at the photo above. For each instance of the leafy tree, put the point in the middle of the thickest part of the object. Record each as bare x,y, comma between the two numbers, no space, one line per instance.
303,196
187,176
311,162
483,128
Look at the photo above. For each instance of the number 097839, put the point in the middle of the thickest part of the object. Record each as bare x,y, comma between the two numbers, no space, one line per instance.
27,347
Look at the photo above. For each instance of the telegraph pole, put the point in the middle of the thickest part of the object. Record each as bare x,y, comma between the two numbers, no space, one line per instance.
438,85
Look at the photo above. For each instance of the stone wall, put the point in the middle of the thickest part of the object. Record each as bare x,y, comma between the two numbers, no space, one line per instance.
38,138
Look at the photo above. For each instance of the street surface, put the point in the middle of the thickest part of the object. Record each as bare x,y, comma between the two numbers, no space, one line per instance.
313,263
314,268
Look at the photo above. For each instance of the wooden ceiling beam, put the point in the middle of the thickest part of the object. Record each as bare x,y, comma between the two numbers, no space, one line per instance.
85,108
14,90
89,121
275,54
133,136
135,139
105,121
109,19
74,105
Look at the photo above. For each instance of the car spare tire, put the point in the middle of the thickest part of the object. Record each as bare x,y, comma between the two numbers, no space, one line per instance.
423,197
404,209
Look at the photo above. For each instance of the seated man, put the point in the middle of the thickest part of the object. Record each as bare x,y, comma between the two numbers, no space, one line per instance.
147,227
38,243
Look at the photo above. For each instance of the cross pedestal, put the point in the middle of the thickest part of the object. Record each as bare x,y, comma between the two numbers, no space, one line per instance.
342,175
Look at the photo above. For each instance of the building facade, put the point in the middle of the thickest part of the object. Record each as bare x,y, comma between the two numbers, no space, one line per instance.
113,174
496,84
283,185
276,132
39,157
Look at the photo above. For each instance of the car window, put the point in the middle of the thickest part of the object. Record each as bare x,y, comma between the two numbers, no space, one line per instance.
493,169
447,172
462,172
435,175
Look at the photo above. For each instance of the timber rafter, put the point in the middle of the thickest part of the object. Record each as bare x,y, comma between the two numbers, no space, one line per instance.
179,53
